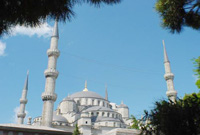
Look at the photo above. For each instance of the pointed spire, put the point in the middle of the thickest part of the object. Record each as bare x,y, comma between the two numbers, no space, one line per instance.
85,86
55,29
165,53
106,93
26,81
122,102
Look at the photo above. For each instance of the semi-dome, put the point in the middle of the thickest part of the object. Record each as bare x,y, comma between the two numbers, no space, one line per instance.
86,94
99,108
101,119
59,118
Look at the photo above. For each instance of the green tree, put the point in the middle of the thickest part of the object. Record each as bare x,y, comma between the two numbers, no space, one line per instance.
176,14
197,70
76,130
168,118
34,12
135,123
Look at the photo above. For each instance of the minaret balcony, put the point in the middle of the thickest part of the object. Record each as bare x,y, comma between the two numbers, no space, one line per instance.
23,101
168,76
51,73
21,115
54,52
49,96
170,93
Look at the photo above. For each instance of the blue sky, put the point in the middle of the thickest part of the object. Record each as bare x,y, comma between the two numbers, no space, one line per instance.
119,45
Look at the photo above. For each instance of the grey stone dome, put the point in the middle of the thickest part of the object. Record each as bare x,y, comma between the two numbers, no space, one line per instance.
122,106
86,94
59,118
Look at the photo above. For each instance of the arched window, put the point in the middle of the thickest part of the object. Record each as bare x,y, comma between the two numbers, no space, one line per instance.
97,113
86,101
78,102
103,104
92,101
113,115
103,113
98,102
108,114
92,114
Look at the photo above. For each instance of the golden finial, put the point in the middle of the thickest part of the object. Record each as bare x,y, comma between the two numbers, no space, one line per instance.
85,86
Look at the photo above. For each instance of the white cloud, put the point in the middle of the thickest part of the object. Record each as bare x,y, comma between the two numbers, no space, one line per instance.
2,48
14,117
44,30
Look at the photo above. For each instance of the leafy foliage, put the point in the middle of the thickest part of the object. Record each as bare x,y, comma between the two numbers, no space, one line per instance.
181,118
135,123
197,70
33,12
76,131
176,14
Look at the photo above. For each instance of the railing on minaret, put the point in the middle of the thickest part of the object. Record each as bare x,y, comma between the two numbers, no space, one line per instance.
23,101
51,74
169,77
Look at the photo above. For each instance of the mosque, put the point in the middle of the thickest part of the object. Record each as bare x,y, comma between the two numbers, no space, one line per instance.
94,114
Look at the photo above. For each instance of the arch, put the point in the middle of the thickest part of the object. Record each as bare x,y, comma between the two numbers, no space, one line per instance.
113,115
92,101
103,113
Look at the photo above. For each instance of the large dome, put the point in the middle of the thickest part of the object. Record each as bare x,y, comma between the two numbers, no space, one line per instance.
86,94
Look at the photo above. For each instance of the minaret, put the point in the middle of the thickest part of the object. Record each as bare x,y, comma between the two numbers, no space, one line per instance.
106,94
85,89
23,101
49,97
169,77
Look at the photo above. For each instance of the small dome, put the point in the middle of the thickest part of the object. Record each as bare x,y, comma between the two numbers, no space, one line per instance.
68,98
86,94
122,105
59,118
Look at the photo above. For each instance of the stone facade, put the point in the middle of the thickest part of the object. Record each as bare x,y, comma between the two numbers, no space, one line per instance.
94,114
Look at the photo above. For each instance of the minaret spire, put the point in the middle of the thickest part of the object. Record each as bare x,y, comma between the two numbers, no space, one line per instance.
23,101
106,94
51,74
55,30
169,77
165,53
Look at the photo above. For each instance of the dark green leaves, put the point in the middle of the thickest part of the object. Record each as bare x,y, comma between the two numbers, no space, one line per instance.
181,118
176,14
33,12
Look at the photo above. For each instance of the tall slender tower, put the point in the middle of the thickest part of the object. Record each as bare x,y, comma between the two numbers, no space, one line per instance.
49,97
169,77
23,101
106,94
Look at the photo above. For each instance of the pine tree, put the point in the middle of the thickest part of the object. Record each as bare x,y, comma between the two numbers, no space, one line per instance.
34,12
